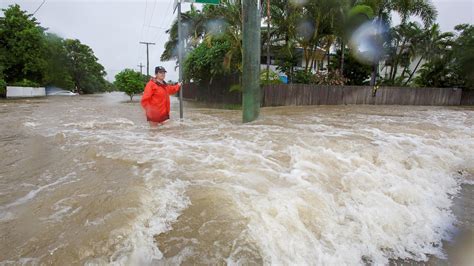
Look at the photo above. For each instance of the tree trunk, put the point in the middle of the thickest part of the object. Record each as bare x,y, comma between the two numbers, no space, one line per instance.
307,57
397,57
373,78
341,68
414,71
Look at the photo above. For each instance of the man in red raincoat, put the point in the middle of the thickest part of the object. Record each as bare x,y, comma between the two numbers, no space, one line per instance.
156,100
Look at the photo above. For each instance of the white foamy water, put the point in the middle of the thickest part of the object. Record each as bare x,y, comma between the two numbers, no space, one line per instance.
335,185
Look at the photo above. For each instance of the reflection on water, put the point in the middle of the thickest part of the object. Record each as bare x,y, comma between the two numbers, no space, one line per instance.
84,180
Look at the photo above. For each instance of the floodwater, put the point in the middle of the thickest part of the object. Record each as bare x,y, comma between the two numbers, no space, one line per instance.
84,180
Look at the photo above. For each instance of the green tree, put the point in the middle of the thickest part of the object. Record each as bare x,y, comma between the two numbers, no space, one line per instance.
193,27
423,9
3,85
21,46
269,78
205,62
440,72
213,22
452,66
87,74
57,71
463,51
355,72
430,44
130,82
30,55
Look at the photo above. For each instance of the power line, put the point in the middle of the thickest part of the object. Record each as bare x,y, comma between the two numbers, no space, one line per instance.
159,36
151,19
143,27
39,7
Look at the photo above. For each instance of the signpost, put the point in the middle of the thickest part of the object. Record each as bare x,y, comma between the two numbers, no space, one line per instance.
177,4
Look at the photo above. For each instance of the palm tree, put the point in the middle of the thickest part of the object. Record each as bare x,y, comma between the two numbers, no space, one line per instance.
430,44
285,16
423,9
323,16
229,13
200,27
193,23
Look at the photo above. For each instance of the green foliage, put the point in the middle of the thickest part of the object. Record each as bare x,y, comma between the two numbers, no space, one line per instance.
235,88
333,78
87,74
287,60
354,72
212,22
27,52
110,87
439,58
439,73
302,77
463,51
130,82
205,62
361,10
273,78
3,87
57,73
26,83
22,45
451,66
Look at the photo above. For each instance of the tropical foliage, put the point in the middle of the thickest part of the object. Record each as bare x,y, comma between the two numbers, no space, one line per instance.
29,55
304,34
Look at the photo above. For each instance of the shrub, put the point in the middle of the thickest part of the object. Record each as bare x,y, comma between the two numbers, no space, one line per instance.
331,78
3,88
25,83
273,78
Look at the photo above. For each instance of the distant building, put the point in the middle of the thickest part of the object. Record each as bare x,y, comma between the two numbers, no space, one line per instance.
22,92
320,64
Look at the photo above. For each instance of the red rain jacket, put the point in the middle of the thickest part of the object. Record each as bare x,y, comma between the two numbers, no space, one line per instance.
156,100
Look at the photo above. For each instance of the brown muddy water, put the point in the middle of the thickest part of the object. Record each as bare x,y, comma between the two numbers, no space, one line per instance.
85,181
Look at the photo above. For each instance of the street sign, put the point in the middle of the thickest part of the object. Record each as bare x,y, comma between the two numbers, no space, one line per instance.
210,2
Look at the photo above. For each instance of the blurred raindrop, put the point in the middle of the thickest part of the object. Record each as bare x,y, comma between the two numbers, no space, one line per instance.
216,27
299,2
367,42
305,30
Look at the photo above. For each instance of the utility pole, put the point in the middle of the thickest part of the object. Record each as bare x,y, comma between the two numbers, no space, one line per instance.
180,59
141,67
147,57
177,4
268,40
251,60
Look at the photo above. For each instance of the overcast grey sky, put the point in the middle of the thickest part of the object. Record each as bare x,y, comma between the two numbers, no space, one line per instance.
114,28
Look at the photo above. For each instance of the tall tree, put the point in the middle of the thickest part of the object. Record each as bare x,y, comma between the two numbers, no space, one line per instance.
87,74
56,72
21,46
430,44
463,50
422,9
